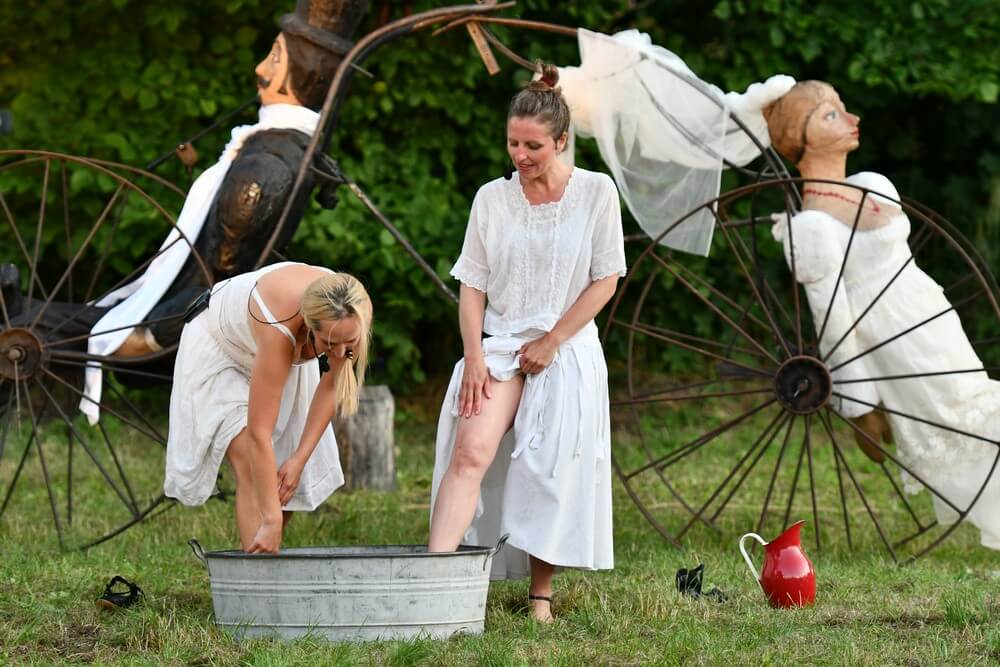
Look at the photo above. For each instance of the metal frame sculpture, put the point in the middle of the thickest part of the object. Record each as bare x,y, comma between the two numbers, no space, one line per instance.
766,345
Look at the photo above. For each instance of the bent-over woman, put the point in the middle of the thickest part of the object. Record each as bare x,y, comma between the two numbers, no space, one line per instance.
247,387
523,444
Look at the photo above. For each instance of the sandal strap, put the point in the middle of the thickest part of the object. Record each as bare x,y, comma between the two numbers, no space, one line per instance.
543,598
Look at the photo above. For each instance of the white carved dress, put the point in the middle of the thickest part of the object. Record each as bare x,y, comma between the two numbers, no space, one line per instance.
954,464
549,486
211,390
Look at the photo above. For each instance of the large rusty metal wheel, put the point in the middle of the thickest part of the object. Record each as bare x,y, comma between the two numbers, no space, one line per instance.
60,216
742,435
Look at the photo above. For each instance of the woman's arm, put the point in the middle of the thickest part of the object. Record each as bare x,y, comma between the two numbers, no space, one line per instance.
476,378
267,379
539,353
321,412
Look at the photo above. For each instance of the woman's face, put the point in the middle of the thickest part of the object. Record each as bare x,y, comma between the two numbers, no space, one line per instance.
831,129
531,146
337,338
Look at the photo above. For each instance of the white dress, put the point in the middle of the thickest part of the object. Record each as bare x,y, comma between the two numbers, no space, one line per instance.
955,465
208,402
549,486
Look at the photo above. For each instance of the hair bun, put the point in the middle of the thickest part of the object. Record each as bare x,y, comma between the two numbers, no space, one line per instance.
548,78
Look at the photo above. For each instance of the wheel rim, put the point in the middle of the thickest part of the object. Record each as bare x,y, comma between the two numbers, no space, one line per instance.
62,215
764,432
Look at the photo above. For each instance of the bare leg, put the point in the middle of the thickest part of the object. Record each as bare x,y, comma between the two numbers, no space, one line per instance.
476,443
247,514
541,584
286,518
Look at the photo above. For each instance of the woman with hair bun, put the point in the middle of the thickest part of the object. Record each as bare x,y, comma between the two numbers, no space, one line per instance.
247,387
523,445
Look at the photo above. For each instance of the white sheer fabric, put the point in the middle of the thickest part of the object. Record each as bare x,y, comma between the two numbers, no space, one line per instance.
955,465
534,261
662,132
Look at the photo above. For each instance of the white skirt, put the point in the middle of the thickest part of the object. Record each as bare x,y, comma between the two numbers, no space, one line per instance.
549,486
208,408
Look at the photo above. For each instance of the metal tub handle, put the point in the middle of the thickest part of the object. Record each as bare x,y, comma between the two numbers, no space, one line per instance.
198,550
495,550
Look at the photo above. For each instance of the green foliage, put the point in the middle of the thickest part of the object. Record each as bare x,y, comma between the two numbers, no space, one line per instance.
125,80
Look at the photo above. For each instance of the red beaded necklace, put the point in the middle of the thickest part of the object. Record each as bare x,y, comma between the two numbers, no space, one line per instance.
837,195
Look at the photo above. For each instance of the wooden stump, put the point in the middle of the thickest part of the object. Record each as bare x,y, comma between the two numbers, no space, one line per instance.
366,442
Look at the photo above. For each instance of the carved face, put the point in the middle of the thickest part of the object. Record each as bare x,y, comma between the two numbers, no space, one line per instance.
831,129
531,146
273,85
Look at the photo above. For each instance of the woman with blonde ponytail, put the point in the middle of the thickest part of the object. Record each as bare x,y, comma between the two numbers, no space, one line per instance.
248,388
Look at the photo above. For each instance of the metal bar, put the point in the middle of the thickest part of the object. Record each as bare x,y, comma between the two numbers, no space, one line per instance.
717,310
716,292
691,397
899,335
857,487
121,529
910,376
753,464
704,341
135,409
753,286
79,253
104,408
45,468
20,243
69,236
732,473
679,343
116,222
93,334
774,475
843,501
843,265
38,231
681,387
83,444
807,443
678,453
902,496
121,471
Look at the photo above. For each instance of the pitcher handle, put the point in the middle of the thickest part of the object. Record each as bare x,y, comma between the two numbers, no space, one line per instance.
746,556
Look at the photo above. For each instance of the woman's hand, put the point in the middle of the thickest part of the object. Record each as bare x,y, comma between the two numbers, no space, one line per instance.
268,538
475,386
538,354
288,479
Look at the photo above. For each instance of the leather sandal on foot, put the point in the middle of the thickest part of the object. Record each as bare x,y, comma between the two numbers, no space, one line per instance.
119,599
543,598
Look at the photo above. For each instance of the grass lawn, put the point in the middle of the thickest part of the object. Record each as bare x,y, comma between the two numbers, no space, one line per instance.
944,609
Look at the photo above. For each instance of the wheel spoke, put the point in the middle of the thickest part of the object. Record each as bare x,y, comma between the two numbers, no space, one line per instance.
116,222
795,483
694,277
69,236
38,232
902,496
691,397
753,464
103,407
112,368
732,473
76,258
867,309
41,460
900,334
911,376
20,243
753,286
857,487
807,443
83,444
843,264
679,343
708,302
680,452
774,474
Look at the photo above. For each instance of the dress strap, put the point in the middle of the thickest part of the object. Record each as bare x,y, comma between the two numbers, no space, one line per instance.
266,312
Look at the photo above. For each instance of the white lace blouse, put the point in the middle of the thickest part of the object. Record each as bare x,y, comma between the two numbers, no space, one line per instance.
533,262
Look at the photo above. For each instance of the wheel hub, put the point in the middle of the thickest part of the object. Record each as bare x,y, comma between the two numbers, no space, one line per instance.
21,354
803,384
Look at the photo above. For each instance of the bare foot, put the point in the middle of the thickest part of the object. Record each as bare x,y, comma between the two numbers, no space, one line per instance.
541,610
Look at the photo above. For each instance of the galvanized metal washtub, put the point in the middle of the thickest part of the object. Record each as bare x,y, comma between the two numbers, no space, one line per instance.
350,593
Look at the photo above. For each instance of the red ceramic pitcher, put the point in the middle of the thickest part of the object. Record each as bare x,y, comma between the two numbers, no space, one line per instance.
788,578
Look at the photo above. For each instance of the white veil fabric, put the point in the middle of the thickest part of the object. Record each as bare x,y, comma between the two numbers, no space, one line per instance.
664,134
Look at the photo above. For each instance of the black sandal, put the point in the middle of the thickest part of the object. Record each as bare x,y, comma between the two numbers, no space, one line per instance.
543,598
119,599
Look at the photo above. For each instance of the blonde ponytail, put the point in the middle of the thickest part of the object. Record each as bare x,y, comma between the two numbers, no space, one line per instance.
337,297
